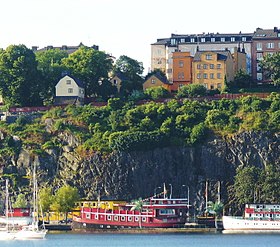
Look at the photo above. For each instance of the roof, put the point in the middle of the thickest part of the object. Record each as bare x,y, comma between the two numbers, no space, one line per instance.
78,82
266,33
163,79
222,55
121,76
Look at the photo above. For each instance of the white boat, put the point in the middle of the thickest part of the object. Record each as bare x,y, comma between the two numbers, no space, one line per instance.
33,231
257,217
6,233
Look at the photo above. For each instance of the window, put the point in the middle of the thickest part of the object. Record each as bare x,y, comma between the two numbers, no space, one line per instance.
212,75
169,71
153,81
182,40
270,45
212,66
198,76
115,82
198,66
218,66
219,85
219,76
173,41
87,215
68,82
259,76
192,40
202,40
70,90
205,76
259,56
243,39
182,75
181,64
232,39
259,46
258,67
223,39
212,39
208,56
212,87
205,66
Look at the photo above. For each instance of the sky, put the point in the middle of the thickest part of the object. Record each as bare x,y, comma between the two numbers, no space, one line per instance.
127,27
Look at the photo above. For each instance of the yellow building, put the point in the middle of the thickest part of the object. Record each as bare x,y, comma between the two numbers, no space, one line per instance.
117,80
157,80
212,68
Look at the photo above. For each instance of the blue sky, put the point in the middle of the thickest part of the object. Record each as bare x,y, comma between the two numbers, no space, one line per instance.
127,27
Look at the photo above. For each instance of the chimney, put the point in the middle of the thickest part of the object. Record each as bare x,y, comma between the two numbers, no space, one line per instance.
275,29
34,48
243,48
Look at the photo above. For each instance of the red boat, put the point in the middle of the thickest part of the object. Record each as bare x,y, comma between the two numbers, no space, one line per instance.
153,213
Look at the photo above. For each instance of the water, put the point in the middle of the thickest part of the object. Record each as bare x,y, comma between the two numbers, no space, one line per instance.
149,240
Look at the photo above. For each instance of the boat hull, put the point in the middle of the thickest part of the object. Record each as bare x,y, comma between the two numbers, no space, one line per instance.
231,223
29,234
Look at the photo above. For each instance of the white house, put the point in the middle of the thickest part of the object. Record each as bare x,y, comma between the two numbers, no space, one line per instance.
69,90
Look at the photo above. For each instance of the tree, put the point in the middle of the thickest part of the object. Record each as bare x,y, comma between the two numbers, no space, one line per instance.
51,68
92,67
64,199
132,70
45,198
271,66
245,184
20,82
242,79
20,202
270,184
157,92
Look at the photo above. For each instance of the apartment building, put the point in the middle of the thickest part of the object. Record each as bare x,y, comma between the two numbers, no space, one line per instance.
182,69
212,68
162,51
264,42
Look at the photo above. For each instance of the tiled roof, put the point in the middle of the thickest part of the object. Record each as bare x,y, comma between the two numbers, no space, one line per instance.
163,79
121,76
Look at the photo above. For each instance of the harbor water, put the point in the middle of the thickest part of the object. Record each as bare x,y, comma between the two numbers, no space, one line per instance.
147,240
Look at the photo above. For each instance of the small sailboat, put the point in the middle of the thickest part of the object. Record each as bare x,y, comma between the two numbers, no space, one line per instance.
6,233
33,231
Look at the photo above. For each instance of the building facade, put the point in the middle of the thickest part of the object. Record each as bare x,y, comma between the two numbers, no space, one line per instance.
157,80
265,42
182,69
162,51
213,68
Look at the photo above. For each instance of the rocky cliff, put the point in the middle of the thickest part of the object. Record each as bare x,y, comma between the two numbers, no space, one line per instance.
138,174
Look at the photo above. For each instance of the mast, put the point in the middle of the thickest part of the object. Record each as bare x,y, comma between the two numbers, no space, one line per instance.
7,205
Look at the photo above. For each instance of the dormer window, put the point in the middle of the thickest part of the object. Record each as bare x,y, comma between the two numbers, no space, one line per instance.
223,39
232,39
212,39
153,81
202,39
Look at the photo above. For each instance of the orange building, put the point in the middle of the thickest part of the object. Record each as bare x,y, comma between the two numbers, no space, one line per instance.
182,69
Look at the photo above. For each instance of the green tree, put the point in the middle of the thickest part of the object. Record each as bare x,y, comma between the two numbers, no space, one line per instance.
64,199
51,68
246,181
157,92
271,66
20,82
217,119
20,202
196,90
242,79
92,67
45,198
270,184
132,70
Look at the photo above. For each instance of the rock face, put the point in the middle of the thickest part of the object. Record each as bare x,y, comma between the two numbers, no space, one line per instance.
138,174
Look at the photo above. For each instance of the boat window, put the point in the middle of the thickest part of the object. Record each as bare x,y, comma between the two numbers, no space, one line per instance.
123,218
167,211
136,219
129,218
116,218
109,217
144,219
88,216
